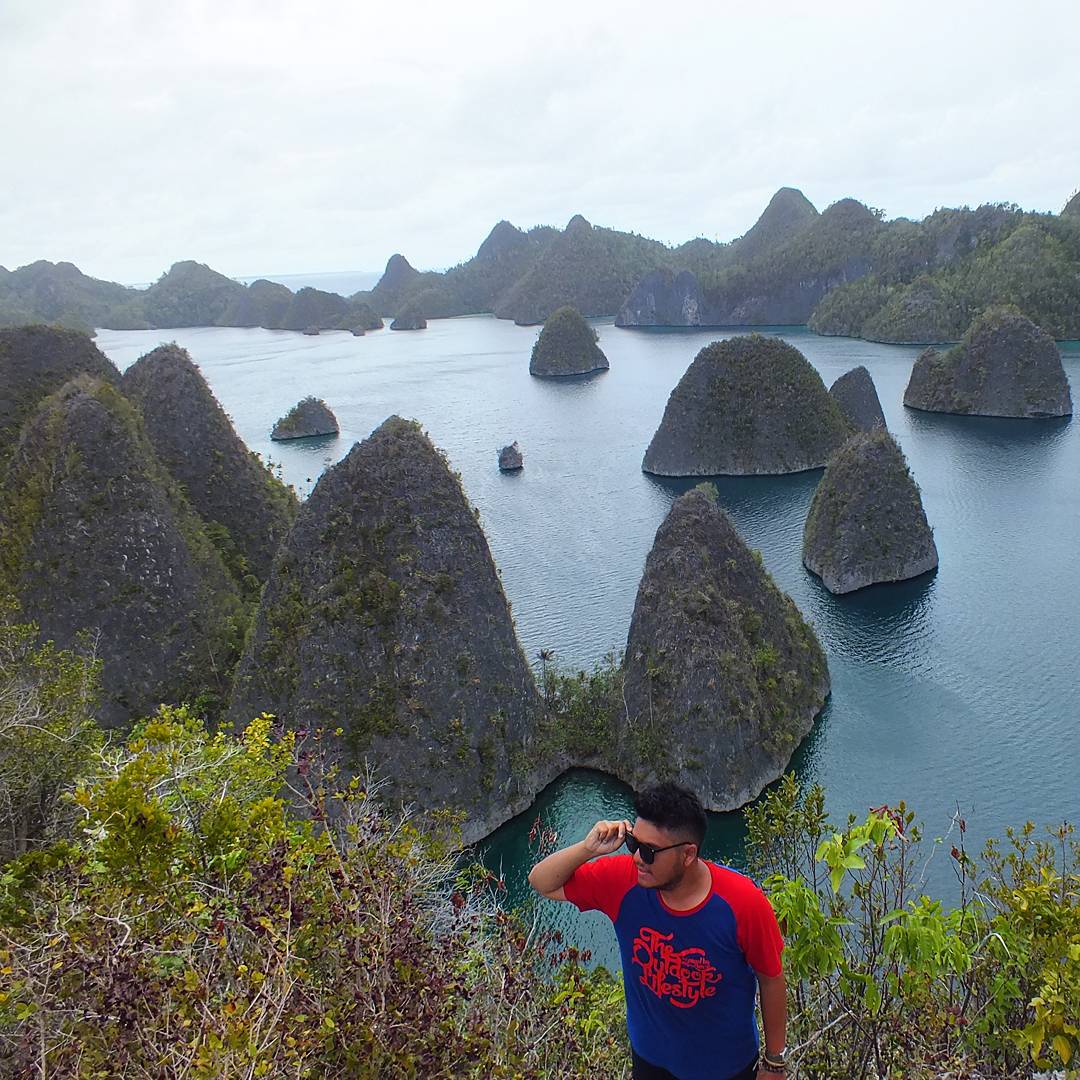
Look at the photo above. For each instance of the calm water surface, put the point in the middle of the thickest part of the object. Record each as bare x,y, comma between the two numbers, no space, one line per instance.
959,689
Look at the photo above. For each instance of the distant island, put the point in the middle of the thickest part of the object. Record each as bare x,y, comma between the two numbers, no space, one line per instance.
845,271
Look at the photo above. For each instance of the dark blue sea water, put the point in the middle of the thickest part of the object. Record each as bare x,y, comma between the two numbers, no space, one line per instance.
960,689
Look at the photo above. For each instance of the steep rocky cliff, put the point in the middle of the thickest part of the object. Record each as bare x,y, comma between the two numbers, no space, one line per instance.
866,524
857,397
96,537
663,298
747,405
1004,366
384,616
566,346
246,509
410,317
35,361
723,675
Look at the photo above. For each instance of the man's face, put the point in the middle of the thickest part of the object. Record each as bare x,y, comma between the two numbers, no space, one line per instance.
668,867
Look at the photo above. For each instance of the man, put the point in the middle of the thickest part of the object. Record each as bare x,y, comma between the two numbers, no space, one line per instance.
695,939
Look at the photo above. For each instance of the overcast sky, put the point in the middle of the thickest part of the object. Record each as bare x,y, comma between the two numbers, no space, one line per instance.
266,137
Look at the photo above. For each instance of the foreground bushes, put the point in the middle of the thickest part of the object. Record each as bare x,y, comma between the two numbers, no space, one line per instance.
200,925
885,981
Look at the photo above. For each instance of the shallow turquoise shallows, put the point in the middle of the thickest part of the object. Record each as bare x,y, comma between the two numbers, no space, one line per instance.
960,689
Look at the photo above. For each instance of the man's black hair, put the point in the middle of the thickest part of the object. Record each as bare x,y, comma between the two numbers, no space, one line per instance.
673,808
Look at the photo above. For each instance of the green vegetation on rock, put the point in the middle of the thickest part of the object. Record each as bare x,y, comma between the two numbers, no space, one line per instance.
310,416
567,345
723,675
96,537
1004,366
866,523
748,405
246,509
384,617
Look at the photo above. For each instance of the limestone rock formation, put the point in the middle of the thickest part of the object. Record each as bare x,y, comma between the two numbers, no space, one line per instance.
1073,205
567,345
358,331
35,361
262,303
747,406
395,282
788,214
96,537
311,331
866,524
1004,366
309,416
723,675
857,397
663,298
409,317
360,318
190,294
247,509
510,459
384,615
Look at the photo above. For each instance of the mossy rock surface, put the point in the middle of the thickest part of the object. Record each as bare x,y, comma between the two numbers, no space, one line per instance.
308,417
723,675
866,523
96,537
35,361
384,616
567,345
1004,366
857,397
247,509
750,405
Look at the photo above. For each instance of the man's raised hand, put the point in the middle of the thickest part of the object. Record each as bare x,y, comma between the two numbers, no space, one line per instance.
606,836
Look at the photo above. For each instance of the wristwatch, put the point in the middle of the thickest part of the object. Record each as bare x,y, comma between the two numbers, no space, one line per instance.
774,1063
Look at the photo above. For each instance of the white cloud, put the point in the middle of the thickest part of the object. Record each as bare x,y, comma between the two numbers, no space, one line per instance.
269,137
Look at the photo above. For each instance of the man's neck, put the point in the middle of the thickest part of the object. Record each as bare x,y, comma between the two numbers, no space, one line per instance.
691,890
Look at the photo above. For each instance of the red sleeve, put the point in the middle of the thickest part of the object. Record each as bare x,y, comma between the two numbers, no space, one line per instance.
601,884
757,931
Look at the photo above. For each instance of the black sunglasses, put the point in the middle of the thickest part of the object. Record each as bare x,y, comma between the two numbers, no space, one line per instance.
648,851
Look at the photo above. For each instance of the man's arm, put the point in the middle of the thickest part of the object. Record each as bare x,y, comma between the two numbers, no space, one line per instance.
549,875
773,993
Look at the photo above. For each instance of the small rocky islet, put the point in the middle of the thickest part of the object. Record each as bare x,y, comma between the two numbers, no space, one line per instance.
510,459
866,523
567,345
1005,366
308,418
749,405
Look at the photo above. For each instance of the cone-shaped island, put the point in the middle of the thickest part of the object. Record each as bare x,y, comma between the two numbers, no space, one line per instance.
194,439
384,616
1004,366
723,675
750,405
857,397
308,417
567,345
866,523
95,536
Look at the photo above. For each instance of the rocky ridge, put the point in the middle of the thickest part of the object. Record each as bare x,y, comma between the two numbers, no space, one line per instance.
384,616
723,676
246,509
749,405
1004,366
866,523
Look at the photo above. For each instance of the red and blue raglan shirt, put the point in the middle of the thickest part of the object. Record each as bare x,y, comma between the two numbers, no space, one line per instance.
689,975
